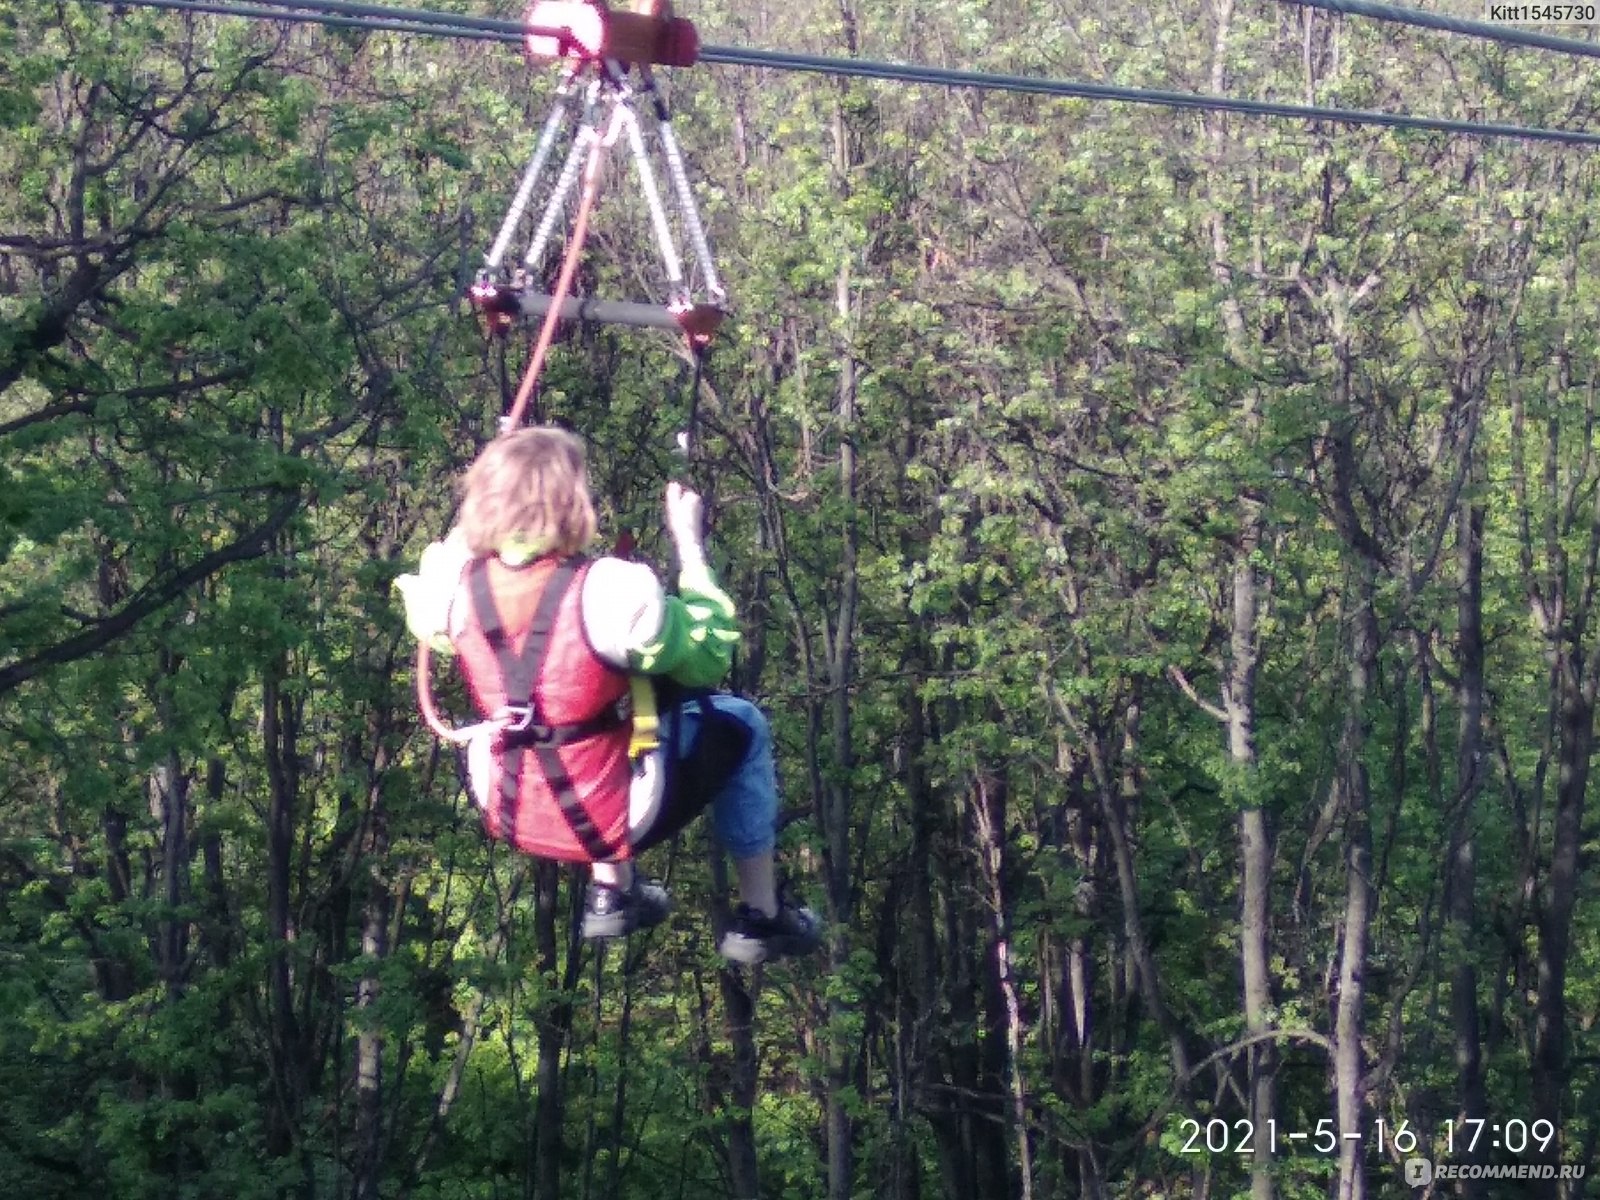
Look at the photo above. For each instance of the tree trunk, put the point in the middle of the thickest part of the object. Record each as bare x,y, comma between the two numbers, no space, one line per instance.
375,918
1551,1070
1116,804
916,957
280,735
968,1130
1255,848
471,1025
552,1020
835,823
1239,684
169,803
1077,986
1355,804
1354,795
1461,908
615,1142
1561,597
737,1110
989,815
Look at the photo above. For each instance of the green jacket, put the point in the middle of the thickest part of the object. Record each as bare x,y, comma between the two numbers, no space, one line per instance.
698,634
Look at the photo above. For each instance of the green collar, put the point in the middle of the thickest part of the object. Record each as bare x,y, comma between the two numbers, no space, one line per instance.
519,550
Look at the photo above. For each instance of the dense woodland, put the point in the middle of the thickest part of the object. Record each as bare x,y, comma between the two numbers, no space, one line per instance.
1167,545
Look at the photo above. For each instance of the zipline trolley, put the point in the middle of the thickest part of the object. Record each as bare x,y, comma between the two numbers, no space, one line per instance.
607,55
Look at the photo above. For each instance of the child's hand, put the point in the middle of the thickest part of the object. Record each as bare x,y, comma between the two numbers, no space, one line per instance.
685,518
427,594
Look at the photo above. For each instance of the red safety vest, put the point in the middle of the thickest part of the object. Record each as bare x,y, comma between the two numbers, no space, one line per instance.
561,772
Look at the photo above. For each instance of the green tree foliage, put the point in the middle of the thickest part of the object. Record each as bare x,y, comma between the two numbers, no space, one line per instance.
1168,549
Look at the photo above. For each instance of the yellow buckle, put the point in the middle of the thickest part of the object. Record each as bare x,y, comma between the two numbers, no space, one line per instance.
646,723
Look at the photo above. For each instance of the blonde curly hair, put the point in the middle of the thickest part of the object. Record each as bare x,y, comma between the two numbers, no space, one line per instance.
528,493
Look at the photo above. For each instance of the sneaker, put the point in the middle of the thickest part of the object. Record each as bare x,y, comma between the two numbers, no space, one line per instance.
753,937
610,912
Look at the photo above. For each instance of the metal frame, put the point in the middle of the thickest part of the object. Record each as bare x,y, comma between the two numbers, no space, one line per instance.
608,113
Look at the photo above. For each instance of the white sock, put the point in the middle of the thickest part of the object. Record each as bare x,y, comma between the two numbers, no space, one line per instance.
758,883
617,875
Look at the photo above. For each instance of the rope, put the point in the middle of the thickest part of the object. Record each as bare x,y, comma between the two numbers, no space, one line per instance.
569,269
451,25
680,185
652,199
425,705
530,177
691,432
571,169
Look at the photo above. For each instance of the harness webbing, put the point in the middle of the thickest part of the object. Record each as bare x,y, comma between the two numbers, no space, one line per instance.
520,674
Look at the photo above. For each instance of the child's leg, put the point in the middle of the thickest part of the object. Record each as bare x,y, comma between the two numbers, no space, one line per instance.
728,751
744,810
758,883
617,875
620,900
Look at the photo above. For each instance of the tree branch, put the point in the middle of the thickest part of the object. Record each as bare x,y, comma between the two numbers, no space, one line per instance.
88,403
1178,677
153,599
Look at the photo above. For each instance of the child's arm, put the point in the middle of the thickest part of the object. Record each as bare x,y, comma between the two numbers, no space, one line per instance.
689,637
694,645
633,624
428,593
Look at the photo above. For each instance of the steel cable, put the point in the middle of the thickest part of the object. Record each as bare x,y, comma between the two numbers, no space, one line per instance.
404,20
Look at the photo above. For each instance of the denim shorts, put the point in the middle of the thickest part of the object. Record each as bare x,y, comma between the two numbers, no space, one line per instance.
722,756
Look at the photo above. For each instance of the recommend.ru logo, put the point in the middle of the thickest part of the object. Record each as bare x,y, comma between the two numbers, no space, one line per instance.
1420,1172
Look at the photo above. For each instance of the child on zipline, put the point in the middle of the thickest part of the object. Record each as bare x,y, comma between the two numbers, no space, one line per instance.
573,661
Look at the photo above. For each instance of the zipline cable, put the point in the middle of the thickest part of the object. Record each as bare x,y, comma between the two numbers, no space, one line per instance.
334,20
450,25
1508,35
902,73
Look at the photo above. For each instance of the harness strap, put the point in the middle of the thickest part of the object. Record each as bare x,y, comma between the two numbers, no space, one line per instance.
520,674
646,717
530,733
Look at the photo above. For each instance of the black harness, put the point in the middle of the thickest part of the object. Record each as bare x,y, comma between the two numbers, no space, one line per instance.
520,675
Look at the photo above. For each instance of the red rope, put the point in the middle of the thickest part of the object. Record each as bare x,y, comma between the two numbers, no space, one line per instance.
430,714
530,378
569,269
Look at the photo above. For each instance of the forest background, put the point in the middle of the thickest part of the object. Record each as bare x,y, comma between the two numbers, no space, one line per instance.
1167,547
